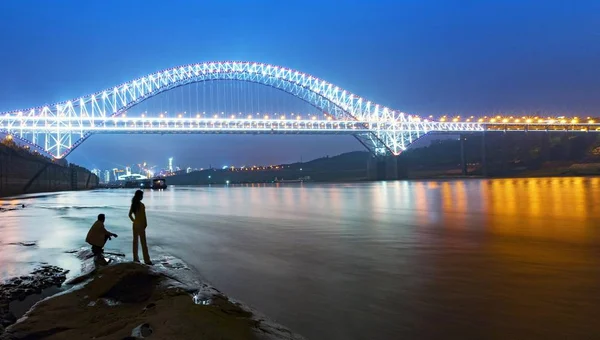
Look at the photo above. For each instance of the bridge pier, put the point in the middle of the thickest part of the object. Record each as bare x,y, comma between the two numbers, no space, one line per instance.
544,147
483,155
382,168
463,158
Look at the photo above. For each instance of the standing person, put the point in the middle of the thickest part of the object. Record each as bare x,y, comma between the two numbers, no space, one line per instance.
97,237
137,215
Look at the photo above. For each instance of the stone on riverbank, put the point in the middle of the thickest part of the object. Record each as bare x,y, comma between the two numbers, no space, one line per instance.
129,298
19,288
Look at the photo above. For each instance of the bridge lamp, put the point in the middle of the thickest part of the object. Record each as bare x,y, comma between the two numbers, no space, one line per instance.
591,121
493,120
528,120
179,116
480,120
517,120
197,116
266,117
504,120
282,117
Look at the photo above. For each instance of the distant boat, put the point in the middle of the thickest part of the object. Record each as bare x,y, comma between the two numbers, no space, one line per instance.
299,180
155,183
159,183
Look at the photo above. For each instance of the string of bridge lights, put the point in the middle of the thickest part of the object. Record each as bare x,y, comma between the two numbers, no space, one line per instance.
517,120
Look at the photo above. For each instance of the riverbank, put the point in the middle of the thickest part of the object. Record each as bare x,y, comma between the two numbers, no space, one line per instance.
126,300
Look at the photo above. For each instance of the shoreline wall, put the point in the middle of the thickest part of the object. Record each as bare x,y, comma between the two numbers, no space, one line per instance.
22,173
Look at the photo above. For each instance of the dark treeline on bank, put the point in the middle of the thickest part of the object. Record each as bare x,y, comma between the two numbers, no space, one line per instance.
506,154
345,167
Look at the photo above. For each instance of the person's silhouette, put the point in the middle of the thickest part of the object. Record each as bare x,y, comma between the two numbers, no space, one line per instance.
137,214
97,237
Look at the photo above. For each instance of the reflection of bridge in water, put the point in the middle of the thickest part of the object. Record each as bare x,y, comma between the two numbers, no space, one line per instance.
59,128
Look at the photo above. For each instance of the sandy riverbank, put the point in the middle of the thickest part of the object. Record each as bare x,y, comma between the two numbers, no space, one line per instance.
128,300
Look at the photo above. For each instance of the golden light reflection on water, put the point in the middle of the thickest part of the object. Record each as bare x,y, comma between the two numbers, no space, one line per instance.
563,208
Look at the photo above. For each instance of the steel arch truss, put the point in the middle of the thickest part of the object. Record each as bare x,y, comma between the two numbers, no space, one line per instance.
59,128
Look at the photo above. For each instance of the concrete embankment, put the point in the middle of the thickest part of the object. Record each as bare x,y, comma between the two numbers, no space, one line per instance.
22,173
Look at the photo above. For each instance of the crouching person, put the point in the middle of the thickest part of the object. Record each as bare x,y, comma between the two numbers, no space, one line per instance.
97,237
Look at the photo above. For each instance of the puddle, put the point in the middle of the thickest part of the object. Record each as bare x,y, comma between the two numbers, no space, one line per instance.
19,308
24,244
202,299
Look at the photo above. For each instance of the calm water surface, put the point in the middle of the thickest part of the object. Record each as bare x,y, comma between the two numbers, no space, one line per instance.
484,259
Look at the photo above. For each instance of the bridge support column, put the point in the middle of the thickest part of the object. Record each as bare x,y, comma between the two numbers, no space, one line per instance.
463,158
483,155
391,168
545,147
401,167
504,153
375,168
382,168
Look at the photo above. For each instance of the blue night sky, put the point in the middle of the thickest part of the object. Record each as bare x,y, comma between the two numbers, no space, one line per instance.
423,57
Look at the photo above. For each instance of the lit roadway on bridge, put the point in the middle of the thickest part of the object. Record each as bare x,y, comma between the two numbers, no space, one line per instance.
59,128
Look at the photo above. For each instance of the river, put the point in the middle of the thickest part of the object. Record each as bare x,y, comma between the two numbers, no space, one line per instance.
502,258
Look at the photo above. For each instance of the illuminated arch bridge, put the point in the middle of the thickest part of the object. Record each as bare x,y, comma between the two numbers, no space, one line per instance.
59,128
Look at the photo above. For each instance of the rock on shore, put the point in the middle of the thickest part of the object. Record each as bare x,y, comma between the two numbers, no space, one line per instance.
134,301
19,288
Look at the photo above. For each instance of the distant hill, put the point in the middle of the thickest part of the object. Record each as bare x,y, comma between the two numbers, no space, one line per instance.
351,166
